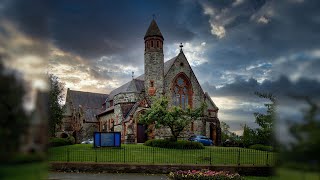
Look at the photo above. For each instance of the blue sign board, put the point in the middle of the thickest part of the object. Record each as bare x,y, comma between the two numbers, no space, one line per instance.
107,139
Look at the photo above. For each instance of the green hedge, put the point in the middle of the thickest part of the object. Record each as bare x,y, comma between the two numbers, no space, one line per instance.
54,142
180,144
261,147
27,158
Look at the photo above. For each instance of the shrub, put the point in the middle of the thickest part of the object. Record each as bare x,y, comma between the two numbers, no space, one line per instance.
54,142
261,147
71,139
180,144
205,175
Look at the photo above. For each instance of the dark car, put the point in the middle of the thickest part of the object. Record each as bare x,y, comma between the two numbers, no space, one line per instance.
201,139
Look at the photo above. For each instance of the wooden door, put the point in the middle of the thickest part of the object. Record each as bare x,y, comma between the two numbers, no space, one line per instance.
141,133
213,134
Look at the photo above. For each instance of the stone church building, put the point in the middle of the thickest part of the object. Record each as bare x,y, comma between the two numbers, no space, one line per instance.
173,79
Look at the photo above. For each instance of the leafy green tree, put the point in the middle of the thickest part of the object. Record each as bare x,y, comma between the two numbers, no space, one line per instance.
249,136
55,108
306,134
173,117
265,133
225,133
13,119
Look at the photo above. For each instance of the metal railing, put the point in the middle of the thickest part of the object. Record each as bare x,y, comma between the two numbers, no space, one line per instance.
153,155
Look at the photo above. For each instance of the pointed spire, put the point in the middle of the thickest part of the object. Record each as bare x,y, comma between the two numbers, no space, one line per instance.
153,30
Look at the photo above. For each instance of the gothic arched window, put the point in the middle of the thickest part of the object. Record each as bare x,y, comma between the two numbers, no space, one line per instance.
182,91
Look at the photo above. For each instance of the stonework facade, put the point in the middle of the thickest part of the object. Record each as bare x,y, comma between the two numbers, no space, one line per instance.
173,79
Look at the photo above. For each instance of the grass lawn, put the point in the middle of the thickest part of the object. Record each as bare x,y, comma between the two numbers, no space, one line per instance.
139,153
28,171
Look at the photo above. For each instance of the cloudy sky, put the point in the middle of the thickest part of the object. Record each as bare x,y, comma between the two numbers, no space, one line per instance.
235,47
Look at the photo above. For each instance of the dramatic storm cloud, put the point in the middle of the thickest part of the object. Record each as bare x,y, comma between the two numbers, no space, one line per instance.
236,47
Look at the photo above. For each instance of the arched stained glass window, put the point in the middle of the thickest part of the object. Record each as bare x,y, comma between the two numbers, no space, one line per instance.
182,92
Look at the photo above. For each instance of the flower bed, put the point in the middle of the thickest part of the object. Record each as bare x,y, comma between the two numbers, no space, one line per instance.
204,175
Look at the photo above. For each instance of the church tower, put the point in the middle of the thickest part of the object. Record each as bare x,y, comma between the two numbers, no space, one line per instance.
153,61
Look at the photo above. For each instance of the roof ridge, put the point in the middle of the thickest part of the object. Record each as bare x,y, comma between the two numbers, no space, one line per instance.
86,92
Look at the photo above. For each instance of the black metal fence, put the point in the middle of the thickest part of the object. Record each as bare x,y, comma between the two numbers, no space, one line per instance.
152,155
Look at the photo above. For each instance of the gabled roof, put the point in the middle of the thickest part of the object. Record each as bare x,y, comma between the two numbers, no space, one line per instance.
135,85
88,101
153,30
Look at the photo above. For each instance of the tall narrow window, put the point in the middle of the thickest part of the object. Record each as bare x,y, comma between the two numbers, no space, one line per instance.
182,93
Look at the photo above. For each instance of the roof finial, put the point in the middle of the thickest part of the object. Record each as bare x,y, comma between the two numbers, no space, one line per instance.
181,47
132,74
153,16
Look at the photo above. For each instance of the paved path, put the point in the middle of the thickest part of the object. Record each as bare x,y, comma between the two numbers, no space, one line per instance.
104,176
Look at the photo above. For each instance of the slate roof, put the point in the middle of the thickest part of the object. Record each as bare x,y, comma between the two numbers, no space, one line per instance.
153,30
137,84
90,102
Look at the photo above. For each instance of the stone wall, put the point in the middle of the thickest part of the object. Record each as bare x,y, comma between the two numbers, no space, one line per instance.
181,65
118,117
162,133
153,71
105,119
208,129
125,98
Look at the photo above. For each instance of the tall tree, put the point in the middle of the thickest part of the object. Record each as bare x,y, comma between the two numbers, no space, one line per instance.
265,132
225,133
55,107
306,133
172,117
249,136
13,119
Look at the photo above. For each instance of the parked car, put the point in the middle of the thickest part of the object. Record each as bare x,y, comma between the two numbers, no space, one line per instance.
201,139
231,143
88,141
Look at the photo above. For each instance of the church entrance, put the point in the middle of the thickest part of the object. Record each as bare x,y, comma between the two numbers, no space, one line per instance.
141,133
213,133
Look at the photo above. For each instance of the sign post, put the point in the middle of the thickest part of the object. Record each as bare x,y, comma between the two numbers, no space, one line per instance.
107,139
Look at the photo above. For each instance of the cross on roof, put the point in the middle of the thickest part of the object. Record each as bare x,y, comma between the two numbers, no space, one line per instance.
181,47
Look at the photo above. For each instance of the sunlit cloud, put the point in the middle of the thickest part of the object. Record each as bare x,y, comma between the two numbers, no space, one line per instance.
218,30
263,20
194,52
